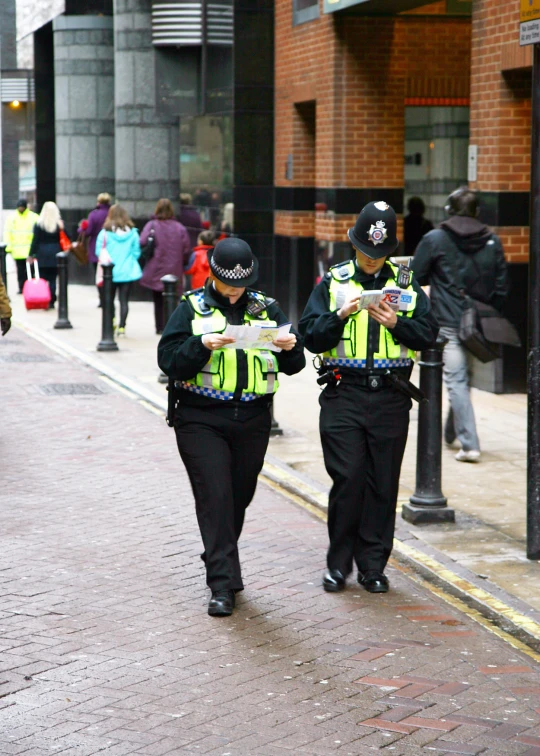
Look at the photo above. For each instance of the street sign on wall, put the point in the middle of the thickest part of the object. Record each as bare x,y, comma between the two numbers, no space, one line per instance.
529,27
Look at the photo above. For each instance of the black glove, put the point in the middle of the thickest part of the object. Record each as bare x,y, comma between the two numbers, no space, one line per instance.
5,325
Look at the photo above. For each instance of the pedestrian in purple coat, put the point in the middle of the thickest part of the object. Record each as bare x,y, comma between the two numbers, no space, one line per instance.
171,255
189,217
96,219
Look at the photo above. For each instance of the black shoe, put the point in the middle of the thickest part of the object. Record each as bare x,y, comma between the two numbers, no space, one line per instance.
374,582
333,581
222,603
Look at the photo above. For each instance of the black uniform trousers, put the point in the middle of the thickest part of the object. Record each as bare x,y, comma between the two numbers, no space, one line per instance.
363,435
223,458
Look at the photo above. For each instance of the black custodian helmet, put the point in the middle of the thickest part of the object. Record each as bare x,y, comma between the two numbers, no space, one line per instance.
375,231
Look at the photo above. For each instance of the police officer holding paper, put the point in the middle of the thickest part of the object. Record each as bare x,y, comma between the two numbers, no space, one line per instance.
365,320
222,403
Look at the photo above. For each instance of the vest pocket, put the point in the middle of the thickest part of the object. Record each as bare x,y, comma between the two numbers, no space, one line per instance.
213,373
263,373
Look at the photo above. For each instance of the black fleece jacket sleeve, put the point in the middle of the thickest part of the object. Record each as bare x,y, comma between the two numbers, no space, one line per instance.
181,355
322,329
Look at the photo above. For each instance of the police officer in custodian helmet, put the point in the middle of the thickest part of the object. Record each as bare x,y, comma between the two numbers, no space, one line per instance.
223,400
366,358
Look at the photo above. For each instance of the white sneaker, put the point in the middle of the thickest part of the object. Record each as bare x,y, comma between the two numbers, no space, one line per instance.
473,455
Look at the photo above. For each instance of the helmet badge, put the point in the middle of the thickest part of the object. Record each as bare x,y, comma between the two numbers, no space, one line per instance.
377,233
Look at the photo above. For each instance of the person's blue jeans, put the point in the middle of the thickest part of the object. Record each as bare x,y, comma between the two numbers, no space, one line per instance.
456,371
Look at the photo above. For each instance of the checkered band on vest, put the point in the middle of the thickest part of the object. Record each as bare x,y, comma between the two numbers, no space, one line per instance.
236,274
215,393
347,362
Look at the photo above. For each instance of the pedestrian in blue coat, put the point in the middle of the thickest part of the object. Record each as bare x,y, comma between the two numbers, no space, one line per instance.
119,243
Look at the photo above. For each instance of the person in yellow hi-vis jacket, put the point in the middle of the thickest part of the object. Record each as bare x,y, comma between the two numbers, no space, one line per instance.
223,400
366,319
18,237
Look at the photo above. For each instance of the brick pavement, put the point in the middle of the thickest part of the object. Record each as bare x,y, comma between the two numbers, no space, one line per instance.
105,644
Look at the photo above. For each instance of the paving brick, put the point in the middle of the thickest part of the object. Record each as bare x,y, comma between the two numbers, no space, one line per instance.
382,724
447,746
431,724
510,669
99,547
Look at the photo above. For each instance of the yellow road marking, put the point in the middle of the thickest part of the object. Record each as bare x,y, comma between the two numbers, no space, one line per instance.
518,619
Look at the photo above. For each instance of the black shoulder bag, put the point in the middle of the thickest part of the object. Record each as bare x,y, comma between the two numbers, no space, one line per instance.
482,328
147,252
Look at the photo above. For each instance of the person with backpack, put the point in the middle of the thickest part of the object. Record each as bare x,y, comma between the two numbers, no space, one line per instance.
199,267
119,242
461,258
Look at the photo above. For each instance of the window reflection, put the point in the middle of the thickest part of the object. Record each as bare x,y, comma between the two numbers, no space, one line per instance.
206,169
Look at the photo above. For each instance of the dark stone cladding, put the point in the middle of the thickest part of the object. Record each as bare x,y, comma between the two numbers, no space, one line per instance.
84,127
342,201
505,208
142,115
84,67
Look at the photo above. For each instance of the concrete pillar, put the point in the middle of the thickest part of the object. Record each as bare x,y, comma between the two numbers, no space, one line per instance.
147,142
84,111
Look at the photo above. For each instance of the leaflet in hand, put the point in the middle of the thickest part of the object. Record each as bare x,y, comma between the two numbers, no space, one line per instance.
256,336
396,298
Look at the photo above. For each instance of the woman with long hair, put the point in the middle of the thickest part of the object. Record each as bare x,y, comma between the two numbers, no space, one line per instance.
171,254
46,244
119,241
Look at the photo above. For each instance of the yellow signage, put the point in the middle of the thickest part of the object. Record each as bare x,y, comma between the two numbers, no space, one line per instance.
530,10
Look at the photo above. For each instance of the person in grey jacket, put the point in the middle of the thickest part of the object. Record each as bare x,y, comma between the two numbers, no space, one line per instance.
461,256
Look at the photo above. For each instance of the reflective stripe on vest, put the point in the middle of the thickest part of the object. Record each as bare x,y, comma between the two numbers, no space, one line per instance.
218,378
351,351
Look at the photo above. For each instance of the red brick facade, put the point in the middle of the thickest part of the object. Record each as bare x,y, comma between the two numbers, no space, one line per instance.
357,73
501,109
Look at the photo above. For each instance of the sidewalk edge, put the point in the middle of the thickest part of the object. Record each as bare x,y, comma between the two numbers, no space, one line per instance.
284,476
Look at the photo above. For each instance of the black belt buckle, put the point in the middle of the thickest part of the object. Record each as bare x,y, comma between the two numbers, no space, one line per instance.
375,382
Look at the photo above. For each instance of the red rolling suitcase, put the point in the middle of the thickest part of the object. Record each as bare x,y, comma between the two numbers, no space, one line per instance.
36,291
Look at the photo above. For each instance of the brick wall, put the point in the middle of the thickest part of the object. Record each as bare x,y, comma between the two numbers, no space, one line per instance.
359,71
501,109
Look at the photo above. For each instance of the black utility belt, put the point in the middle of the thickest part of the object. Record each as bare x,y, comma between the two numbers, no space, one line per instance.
372,381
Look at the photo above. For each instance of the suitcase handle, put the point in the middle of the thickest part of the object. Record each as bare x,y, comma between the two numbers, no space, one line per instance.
29,270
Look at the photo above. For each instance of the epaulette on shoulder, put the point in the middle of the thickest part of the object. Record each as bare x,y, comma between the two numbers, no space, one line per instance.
342,271
193,291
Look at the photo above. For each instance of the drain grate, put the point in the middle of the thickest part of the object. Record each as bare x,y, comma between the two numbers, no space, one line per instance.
70,389
25,357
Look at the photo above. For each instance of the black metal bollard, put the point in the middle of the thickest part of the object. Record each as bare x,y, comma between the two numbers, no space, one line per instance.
428,504
3,266
107,343
170,303
63,319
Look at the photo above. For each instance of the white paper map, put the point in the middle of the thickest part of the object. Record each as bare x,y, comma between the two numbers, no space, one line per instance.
256,337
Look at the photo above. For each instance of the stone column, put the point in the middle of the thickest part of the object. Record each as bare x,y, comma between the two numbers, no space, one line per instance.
147,142
84,112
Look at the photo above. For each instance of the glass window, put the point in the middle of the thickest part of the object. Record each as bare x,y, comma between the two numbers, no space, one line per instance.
436,145
305,10
206,168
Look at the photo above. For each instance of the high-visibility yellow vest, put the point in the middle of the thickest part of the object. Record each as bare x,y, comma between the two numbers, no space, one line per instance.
219,377
19,234
352,349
